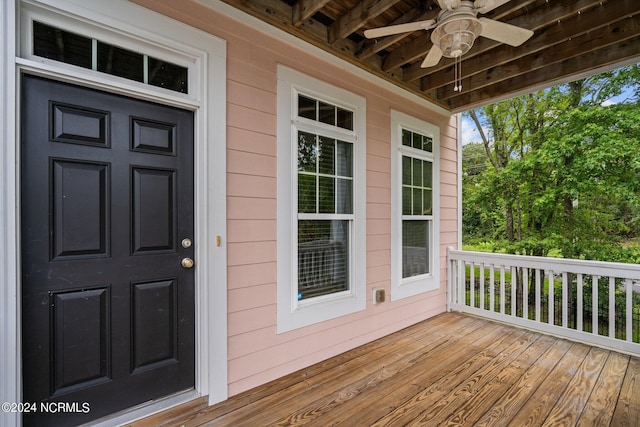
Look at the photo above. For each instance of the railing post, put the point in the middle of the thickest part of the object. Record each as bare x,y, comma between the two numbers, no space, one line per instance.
472,284
595,322
580,307
460,278
629,310
503,294
482,289
514,291
565,300
538,296
450,279
612,307
551,298
525,293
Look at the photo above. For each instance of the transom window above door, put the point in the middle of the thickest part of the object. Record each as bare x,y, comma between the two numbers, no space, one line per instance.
64,46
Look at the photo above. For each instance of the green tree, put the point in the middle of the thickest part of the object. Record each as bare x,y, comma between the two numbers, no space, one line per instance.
562,169
480,217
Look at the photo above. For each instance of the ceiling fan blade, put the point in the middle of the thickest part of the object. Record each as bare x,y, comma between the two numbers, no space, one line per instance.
400,28
433,57
484,6
504,33
448,4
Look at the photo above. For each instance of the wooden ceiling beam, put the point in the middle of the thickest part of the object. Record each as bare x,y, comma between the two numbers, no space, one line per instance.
593,41
543,15
492,70
357,17
408,52
305,9
550,36
578,65
372,47
278,14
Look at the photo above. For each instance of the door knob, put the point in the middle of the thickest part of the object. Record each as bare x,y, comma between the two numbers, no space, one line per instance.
187,262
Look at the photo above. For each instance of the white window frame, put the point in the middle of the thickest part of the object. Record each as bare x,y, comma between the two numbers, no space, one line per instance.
293,314
410,286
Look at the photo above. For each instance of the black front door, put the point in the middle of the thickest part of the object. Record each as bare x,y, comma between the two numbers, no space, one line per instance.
107,200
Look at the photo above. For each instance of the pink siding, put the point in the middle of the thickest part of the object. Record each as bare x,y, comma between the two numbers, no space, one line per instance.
256,354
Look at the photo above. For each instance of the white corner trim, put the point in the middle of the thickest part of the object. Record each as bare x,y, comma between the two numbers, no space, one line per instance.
459,180
10,365
262,26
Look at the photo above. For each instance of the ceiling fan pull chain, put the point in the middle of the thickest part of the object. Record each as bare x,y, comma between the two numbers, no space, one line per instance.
460,75
457,74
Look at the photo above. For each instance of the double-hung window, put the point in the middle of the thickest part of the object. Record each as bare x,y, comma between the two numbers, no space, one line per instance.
415,256
320,201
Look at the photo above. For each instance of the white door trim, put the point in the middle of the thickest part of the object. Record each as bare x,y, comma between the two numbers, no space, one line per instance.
137,28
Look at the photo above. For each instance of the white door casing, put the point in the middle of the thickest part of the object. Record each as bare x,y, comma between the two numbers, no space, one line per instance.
136,28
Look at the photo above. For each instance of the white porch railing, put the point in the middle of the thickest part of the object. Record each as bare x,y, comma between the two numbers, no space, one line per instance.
594,302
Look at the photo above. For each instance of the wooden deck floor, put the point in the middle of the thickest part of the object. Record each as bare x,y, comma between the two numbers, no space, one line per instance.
450,370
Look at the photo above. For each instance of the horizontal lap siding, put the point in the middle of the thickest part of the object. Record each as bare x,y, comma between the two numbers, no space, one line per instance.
256,353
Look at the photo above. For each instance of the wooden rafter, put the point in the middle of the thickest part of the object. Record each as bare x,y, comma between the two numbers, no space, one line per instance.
527,60
305,9
357,17
571,37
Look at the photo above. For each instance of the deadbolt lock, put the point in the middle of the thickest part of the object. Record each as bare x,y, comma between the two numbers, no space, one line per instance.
186,243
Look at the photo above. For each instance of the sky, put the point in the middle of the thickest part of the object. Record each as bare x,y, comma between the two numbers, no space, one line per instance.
469,133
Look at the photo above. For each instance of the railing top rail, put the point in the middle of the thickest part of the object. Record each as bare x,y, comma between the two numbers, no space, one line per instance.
557,265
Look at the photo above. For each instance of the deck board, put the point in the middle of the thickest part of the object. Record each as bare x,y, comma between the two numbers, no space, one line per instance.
627,412
603,398
574,398
510,403
452,369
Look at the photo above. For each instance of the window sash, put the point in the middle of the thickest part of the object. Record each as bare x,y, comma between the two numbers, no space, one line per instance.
417,192
416,247
415,263
324,183
325,174
324,253
415,259
294,313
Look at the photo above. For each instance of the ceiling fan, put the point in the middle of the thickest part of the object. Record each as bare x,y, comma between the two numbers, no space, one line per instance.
457,27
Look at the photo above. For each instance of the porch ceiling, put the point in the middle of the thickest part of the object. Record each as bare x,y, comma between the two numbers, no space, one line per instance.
571,39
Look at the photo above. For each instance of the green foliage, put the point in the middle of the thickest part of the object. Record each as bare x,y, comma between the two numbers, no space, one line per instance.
561,171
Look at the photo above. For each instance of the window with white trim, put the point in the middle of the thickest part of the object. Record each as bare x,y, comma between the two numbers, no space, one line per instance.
321,203
415,261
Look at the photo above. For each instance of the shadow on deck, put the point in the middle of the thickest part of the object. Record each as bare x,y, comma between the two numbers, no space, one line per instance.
453,369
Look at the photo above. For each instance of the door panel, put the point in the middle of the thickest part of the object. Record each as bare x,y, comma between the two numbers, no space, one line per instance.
79,125
80,208
107,192
154,202
80,330
154,324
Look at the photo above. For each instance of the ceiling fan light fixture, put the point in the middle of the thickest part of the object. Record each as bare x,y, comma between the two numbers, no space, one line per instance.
456,37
